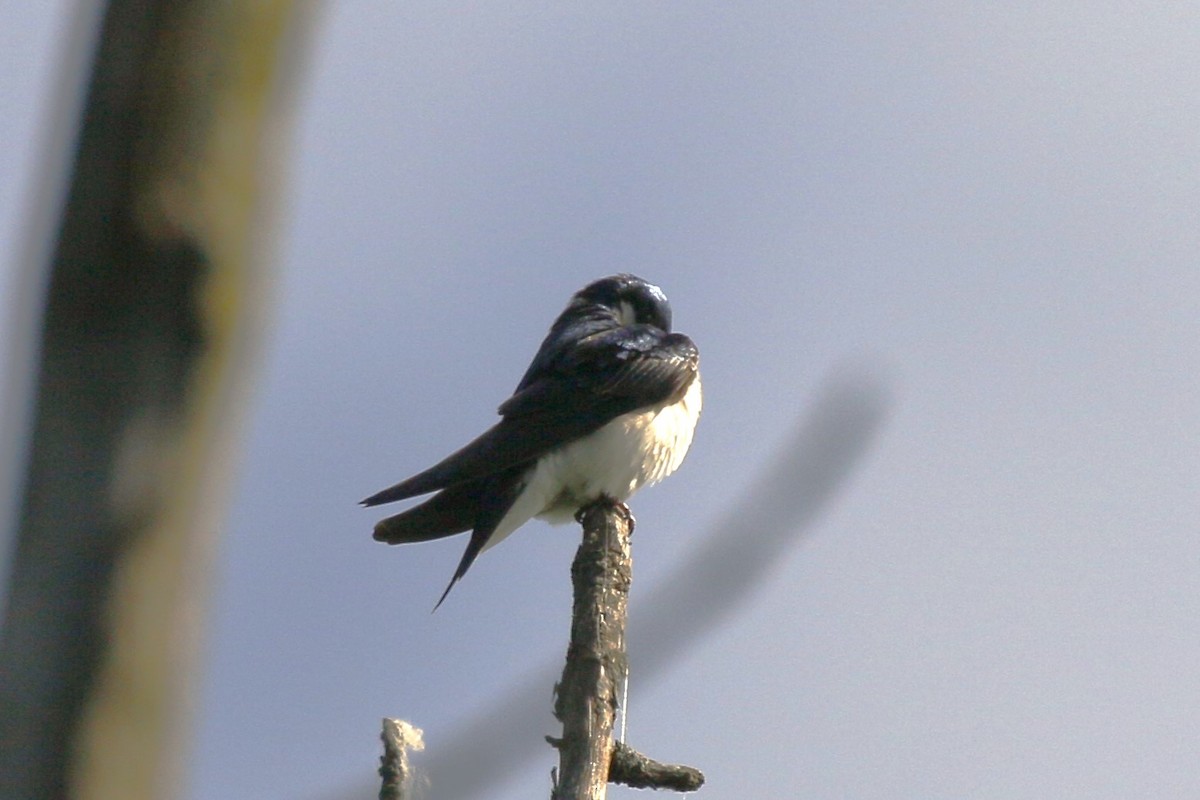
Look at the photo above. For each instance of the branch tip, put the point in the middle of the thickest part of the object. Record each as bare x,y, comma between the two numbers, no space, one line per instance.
631,768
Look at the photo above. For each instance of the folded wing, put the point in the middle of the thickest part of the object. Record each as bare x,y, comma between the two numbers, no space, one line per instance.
605,376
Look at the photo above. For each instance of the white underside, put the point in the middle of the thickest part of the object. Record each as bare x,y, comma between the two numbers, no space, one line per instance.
635,450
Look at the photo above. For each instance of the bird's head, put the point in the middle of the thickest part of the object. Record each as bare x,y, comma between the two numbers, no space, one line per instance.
633,300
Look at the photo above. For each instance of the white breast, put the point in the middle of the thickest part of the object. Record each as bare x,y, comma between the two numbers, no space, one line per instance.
632,451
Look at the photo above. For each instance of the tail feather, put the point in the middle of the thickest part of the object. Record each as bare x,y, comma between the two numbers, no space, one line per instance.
448,512
478,506
486,455
423,483
494,502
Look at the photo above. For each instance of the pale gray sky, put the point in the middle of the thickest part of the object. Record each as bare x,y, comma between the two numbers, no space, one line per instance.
994,211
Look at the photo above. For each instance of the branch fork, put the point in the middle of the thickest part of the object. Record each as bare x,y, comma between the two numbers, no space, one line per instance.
596,666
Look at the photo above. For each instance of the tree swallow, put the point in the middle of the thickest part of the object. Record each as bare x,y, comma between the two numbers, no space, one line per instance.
607,406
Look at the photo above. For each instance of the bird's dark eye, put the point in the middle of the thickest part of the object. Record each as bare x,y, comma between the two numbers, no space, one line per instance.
648,310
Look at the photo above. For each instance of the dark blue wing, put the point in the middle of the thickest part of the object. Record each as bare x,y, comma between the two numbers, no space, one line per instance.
571,394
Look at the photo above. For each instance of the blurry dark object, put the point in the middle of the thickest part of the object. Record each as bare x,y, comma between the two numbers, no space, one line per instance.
150,308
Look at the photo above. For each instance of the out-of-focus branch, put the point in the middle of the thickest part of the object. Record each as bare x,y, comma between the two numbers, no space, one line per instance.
152,307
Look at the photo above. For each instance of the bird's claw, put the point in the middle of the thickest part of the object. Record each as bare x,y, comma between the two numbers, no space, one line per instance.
607,502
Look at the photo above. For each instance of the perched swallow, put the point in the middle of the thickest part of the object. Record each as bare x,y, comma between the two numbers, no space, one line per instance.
608,405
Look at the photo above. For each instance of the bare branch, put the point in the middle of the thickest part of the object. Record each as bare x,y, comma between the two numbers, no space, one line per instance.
398,737
631,768
586,697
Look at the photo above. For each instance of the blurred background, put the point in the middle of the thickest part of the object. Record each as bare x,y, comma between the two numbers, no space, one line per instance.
985,221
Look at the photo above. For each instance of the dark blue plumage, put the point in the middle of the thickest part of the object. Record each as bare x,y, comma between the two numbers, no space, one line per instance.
607,405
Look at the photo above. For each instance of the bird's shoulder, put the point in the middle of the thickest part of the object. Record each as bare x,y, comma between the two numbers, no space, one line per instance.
632,365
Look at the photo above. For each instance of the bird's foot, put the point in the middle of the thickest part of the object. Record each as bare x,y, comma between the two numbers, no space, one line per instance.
604,501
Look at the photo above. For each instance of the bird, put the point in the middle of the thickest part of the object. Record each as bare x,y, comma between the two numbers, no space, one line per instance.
608,405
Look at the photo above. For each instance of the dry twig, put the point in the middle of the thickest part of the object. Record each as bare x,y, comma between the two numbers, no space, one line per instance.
586,697
398,737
